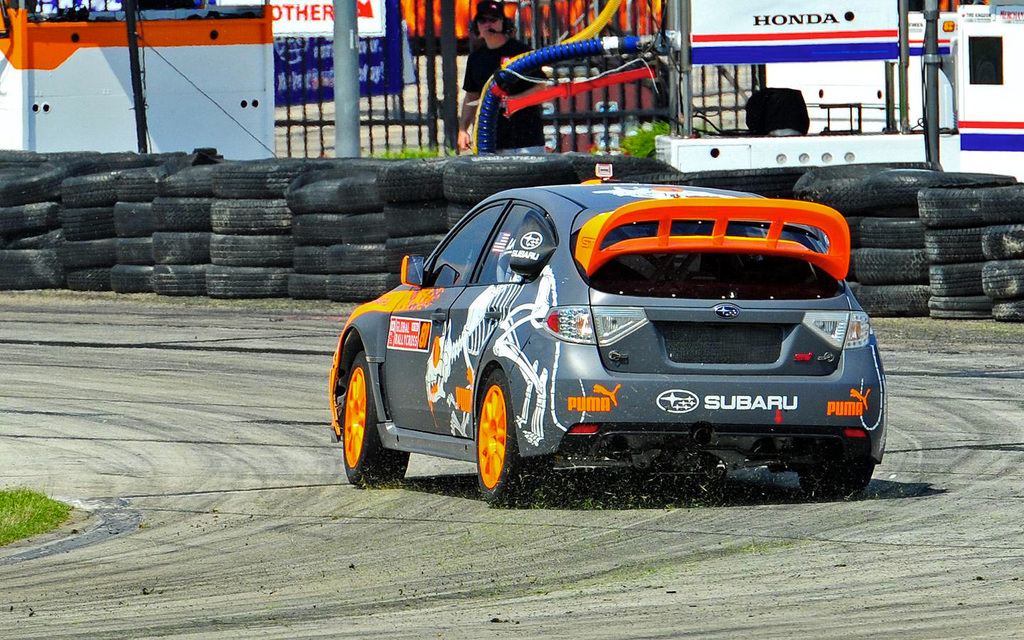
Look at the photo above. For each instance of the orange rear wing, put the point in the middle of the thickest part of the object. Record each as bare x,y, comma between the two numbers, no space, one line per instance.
592,254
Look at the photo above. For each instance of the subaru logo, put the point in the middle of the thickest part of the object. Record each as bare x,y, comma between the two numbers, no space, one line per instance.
727,311
531,240
678,401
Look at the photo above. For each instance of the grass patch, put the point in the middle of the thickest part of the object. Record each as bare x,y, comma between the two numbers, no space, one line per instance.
25,513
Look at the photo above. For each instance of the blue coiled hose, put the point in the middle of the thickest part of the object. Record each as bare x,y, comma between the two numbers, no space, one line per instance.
485,124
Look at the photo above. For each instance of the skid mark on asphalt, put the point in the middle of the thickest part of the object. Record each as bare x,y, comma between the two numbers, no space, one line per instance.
20,436
1009,447
165,403
209,492
163,346
1001,374
113,517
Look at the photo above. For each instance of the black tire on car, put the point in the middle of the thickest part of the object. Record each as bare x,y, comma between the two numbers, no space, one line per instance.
367,462
503,475
180,279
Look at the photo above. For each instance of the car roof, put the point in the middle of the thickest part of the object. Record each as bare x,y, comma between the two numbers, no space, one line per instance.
593,199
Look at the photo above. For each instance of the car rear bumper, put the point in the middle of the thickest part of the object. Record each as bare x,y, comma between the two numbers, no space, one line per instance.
744,420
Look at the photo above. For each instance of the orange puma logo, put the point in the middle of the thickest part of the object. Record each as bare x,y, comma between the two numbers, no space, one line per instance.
605,392
863,398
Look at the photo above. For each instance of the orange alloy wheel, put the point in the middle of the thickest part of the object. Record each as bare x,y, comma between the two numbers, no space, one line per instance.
492,435
355,417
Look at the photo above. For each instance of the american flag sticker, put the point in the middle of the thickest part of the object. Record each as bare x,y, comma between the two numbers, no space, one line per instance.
501,243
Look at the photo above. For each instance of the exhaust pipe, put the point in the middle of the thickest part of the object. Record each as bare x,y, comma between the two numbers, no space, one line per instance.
702,435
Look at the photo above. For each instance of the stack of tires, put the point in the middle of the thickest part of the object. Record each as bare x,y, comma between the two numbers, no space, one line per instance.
182,223
251,248
30,232
90,251
1003,246
338,230
890,272
416,214
134,226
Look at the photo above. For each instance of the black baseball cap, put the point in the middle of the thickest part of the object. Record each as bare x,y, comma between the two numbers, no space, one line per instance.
490,9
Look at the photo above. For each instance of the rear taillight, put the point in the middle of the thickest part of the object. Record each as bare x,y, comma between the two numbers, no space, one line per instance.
611,324
572,324
841,329
602,325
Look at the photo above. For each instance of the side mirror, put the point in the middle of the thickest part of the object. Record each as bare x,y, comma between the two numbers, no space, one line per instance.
533,245
412,271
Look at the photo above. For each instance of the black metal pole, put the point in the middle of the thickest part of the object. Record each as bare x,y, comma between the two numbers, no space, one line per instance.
931,80
450,103
138,96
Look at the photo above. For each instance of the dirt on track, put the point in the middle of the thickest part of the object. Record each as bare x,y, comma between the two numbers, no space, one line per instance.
198,437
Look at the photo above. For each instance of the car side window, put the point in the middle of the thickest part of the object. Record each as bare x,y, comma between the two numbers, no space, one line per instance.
454,264
496,269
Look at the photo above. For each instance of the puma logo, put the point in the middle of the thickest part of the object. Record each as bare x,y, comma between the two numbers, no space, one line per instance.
863,398
611,394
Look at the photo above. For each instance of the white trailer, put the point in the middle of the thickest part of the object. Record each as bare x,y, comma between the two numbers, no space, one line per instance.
979,106
65,81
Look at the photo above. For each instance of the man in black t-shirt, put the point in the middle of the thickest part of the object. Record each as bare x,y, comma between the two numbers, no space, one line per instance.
523,128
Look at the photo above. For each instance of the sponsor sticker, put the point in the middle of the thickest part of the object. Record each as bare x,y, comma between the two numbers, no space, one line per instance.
600,403
678,401
531,240
408,334
683,401
852,408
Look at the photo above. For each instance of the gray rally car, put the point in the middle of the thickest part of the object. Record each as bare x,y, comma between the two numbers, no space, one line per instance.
618,324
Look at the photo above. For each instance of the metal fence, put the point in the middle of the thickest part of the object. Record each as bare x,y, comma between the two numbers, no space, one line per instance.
410,92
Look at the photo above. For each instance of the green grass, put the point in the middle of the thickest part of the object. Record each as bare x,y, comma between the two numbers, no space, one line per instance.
25,513
408,153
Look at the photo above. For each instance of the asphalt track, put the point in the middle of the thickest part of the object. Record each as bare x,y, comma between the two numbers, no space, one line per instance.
198,439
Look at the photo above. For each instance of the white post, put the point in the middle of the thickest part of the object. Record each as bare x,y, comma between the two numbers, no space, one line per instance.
346,80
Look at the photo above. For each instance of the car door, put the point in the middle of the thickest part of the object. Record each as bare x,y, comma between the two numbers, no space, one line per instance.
413,366
472,319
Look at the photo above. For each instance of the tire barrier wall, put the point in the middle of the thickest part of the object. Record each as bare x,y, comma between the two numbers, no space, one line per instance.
925,242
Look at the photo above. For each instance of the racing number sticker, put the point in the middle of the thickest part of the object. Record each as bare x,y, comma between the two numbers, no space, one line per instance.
408,334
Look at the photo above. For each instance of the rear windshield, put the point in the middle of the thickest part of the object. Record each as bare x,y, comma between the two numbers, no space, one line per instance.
714,276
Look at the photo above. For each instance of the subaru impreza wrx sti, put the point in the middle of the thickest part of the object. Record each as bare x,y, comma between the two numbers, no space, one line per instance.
618,325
